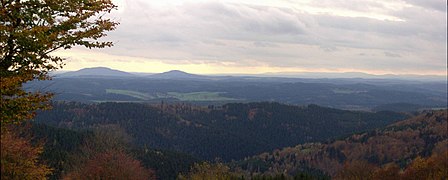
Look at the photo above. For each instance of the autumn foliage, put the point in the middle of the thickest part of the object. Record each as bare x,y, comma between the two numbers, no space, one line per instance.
415,148
112,165
18,105
106,156
434,167
356,170
205,170
30,30
19,158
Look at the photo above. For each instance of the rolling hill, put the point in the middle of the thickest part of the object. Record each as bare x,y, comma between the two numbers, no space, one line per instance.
95,72
232,131
397,144
176,74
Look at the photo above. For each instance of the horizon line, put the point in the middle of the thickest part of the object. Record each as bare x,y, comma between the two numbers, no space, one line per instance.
285,73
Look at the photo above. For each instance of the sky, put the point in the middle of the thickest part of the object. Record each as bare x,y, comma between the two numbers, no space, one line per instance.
282,36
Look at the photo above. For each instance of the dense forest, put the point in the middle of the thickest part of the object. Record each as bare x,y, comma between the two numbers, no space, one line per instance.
67,150
174,140
418,145
231,131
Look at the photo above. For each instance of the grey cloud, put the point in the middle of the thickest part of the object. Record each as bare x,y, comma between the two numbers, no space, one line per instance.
363,24
183,29
282,37
252,19
439,5
422,31
393,55
264,44
214,42
429,28
328,48
364,5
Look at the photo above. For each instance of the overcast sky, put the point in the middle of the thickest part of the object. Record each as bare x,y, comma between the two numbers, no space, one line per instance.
215,37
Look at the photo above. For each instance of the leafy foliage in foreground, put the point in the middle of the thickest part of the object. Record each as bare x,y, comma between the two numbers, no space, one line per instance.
19,158
29,31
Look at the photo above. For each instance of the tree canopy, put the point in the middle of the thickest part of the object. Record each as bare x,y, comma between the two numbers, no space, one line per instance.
30,30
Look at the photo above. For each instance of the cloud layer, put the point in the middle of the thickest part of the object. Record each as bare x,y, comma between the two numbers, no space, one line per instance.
377,36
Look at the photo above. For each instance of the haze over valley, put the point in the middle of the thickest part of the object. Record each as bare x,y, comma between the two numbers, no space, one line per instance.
369,94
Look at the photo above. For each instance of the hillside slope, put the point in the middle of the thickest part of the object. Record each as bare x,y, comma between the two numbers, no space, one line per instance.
233,131
399,143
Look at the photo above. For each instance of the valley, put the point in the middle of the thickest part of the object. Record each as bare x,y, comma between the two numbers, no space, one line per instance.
247,126
177,87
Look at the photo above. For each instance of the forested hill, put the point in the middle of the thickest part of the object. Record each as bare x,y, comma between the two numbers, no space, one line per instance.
393,147
65,150
233,131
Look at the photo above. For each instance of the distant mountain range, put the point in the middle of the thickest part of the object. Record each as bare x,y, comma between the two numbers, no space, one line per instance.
108,85
177,74
96,72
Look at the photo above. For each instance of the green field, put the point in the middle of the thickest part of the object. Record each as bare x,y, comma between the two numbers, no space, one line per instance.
138,95
199,96
346,91
191,96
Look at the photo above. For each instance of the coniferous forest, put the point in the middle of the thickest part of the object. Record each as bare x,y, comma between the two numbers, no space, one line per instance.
253,140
